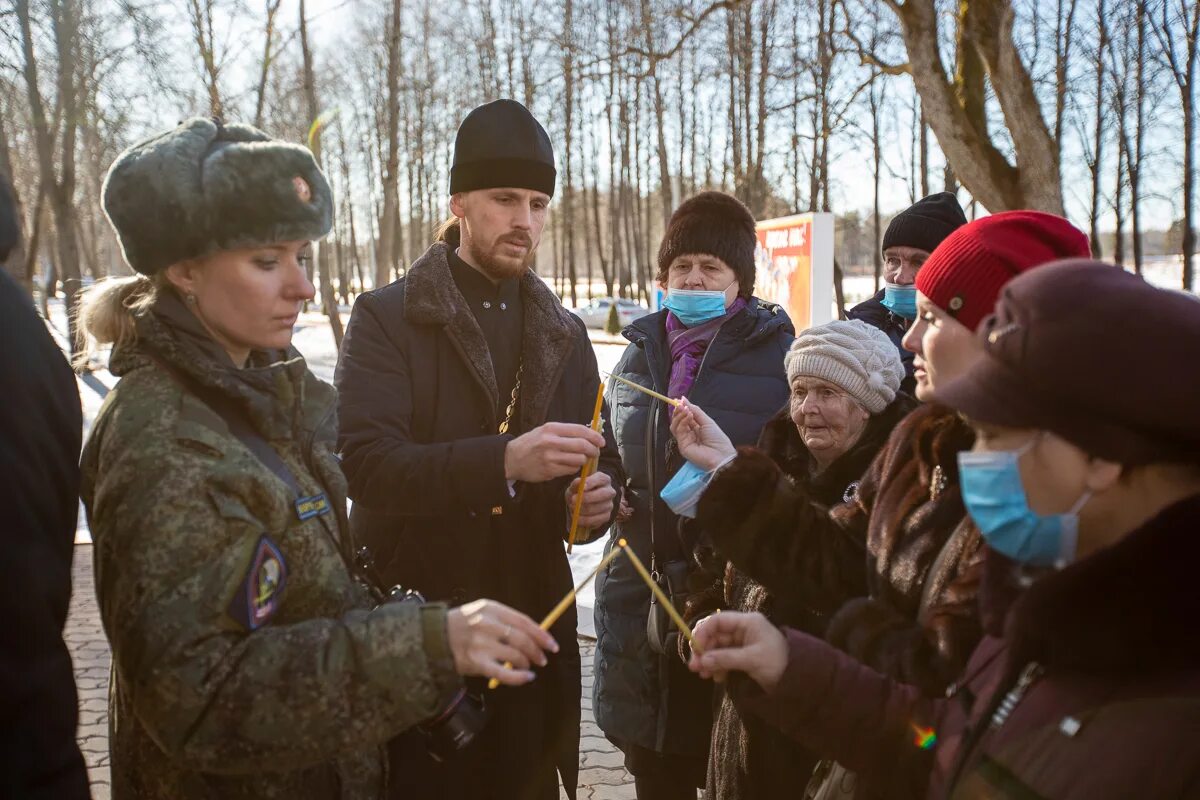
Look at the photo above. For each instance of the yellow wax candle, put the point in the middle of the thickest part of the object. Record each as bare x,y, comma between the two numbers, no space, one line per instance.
662,598
569,598
588,467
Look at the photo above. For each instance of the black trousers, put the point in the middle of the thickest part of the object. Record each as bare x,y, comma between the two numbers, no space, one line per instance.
512,758
663,776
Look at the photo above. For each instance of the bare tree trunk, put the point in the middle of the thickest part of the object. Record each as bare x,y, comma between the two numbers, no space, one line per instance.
14,265
875,98
736,67
954,112
615,192
1119,203
59,189
1096,162
585,209
826,53
1188,103
267,58
1062,63
1182,19
35,238
795,138
388,219
925,192
569,190
1135,163
324,271
200,13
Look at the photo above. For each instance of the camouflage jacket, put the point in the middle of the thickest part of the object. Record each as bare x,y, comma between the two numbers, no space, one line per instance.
247,660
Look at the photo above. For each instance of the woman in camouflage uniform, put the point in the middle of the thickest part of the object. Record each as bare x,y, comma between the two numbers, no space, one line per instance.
248,661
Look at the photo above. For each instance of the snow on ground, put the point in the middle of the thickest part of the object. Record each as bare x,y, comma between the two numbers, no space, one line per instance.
313,338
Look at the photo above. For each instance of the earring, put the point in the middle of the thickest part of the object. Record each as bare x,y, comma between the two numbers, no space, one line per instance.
191,299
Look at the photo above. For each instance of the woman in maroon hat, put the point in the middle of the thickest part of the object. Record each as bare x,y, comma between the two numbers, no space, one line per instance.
915,616
1087,683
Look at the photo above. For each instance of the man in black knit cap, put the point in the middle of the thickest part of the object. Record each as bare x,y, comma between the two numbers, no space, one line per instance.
465,393
911,236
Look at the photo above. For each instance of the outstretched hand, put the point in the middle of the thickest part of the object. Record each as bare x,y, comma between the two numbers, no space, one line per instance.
492,640
701,441
737,642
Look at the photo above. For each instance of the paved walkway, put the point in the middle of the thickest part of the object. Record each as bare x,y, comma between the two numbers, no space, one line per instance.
601,775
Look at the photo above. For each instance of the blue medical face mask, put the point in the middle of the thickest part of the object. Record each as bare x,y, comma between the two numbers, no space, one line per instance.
682,492
694,306
995,498
900,300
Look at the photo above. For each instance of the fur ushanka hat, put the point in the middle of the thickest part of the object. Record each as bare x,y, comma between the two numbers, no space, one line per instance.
715,224
204,187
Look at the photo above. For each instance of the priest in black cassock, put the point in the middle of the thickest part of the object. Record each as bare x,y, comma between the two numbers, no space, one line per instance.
465,390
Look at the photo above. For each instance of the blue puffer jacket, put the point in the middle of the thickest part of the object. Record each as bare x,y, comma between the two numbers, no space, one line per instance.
641,697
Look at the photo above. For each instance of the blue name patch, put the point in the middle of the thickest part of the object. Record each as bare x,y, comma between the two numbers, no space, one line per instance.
309,507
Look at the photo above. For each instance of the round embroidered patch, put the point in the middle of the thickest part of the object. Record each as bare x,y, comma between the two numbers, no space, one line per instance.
956,303
258,594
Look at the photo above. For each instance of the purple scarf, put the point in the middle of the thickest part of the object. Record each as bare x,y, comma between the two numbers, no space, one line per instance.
688,346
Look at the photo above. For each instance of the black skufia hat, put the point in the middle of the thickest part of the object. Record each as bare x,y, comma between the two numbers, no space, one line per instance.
500,144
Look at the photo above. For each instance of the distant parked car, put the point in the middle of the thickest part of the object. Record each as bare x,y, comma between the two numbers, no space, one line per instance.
595,313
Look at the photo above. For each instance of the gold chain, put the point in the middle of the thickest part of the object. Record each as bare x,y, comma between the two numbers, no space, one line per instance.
512,402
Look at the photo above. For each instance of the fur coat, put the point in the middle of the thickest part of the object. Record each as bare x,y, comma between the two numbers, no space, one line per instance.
915,618
749,759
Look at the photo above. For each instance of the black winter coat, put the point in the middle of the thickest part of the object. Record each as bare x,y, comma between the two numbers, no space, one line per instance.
40,431
425,464
873,312
643,698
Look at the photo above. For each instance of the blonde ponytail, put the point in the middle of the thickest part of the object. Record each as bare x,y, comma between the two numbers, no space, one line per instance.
449,232
107,310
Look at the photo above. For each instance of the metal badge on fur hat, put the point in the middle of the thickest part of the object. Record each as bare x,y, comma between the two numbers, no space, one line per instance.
204,187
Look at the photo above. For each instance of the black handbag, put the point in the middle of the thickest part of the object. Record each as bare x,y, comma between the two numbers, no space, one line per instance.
670,574
660,630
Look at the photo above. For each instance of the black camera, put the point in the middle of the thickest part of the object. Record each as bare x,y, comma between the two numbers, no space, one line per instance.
463,715
459,722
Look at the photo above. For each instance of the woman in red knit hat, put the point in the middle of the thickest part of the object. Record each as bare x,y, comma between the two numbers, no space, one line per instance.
912,614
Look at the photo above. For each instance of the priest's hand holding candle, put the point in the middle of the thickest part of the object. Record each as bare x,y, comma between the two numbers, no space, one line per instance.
594,507
598,497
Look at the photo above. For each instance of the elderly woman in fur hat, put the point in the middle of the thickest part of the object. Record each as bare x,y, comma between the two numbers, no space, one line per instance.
248,658
844,379
918,619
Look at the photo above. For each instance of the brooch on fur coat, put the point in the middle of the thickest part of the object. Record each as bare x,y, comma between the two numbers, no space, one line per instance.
937,483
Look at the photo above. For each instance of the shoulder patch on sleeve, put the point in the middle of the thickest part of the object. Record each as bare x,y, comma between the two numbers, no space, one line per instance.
258,594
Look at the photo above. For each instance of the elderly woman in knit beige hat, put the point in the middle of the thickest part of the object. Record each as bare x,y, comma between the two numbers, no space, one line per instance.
844,379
